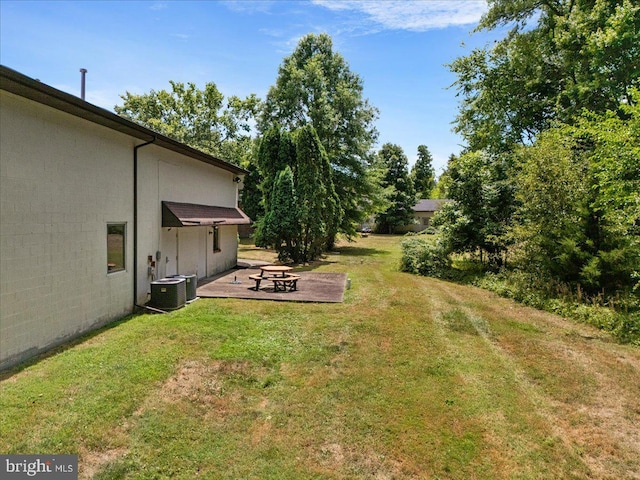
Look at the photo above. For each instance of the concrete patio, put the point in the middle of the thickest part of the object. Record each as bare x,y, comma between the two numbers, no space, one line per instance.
312,286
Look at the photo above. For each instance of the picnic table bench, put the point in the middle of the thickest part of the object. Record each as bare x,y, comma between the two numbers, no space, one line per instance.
284,284
281,283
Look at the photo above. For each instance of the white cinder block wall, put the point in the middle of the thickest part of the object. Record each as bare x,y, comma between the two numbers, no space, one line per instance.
62,180
168,176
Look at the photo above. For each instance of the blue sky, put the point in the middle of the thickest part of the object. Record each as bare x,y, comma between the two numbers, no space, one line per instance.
399,49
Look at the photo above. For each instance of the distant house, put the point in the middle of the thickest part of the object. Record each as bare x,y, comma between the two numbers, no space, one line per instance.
93,208
424,211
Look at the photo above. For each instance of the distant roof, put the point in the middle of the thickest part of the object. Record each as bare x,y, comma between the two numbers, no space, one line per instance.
429,205
27,87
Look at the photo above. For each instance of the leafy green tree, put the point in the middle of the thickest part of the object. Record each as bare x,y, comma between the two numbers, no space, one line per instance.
401,195
198,118
560,57
615,161
316,87
579,216
478,218
423,174
553,189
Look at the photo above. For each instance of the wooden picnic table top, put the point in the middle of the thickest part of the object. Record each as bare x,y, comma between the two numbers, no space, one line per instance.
283,269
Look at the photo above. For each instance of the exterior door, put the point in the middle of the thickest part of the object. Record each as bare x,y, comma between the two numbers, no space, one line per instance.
168,263
192,251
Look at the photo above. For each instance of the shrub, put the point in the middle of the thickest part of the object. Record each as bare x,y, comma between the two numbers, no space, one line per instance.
425,258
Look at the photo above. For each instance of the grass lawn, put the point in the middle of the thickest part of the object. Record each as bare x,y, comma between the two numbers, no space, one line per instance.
409,378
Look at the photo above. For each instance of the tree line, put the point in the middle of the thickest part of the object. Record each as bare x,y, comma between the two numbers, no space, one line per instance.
547,185
308,148
550,177
546,194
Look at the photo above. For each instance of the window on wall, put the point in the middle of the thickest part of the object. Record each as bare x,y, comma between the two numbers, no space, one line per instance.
216,239
116,244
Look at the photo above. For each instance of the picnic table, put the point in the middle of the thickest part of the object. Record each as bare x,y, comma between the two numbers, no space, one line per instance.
274,270
283,281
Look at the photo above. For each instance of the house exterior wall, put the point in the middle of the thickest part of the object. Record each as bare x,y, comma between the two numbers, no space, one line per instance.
421,221
167,176
63,179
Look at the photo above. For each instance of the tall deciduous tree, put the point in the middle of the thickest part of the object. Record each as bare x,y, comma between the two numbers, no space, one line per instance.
316,87
560,57
482,210
199,118
423,173
401,196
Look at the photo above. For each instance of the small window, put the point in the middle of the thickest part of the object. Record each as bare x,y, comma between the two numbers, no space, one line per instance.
116,244
216,239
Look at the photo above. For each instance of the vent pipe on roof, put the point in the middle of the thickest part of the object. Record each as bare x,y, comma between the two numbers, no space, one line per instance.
83,73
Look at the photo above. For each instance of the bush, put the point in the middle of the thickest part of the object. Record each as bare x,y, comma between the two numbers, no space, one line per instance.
429,231
425,258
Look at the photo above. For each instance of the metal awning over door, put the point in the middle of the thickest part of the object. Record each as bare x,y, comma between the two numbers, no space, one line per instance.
176,214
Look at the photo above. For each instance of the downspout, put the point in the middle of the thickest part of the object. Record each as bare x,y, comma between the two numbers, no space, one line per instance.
135,219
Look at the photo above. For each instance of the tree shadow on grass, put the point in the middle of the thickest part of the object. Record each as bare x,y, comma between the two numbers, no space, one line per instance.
361,251
333,257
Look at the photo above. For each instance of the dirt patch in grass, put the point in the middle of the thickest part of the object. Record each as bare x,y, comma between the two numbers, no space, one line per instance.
94,461
358,462
202,383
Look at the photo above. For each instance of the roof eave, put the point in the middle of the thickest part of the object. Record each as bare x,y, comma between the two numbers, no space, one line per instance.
21,85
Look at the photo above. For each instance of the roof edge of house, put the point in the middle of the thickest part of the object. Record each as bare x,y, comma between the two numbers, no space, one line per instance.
24,86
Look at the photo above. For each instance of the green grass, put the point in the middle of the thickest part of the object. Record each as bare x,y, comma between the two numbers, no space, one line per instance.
410,377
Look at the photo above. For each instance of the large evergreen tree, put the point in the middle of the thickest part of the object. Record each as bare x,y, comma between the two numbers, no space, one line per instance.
300,202
316,87
251,194
276,152
318,205
401,194
423,173
280,226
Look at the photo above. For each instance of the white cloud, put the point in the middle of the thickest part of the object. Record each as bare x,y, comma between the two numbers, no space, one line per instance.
414,15
159,6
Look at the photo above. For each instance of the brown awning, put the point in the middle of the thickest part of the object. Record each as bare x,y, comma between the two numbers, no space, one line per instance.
190,214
